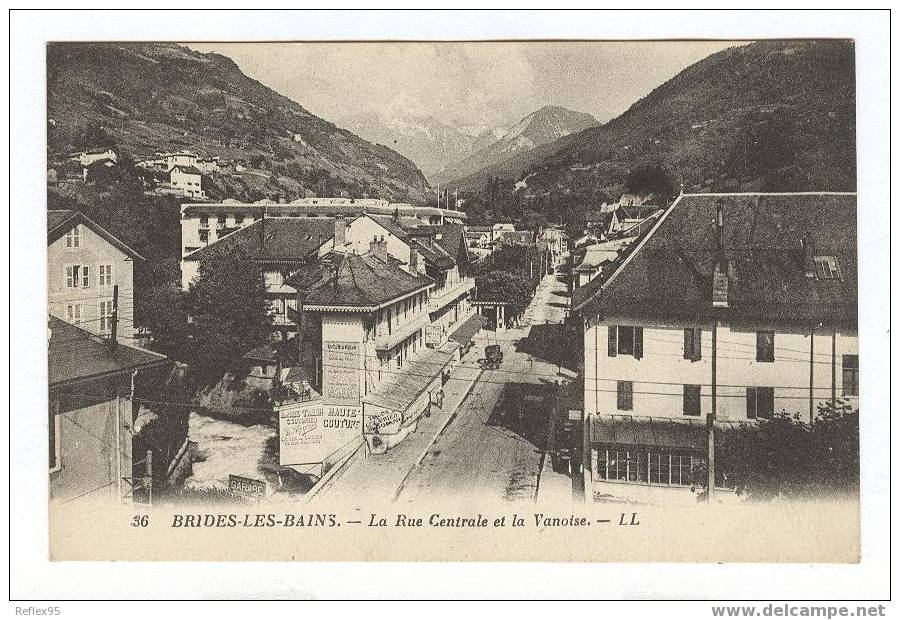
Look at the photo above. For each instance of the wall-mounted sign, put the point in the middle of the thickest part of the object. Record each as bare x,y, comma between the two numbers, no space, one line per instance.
247,487
312,431
342,364
434,335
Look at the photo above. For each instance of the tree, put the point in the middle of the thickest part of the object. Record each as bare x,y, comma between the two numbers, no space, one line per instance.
650,179
784,457
514,287
229,312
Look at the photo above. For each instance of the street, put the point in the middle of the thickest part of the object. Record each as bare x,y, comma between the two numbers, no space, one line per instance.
470,447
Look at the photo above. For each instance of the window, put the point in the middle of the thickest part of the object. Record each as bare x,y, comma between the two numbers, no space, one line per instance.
77,275
624,395
204,220
73,237
760,402
105,275
765,346
73,313
626,341
827,268
692,346
55,455
850,375
204,236
691,400
640,465
238,219
220,220
106,315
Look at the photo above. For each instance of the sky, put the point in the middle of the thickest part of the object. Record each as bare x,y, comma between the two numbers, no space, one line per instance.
472,85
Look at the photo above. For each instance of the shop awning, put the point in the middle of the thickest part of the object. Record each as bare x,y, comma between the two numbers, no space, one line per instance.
404,386
662,433
465,332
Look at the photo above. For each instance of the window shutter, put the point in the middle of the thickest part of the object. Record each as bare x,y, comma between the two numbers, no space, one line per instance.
698,343
751,403
613,342
629,395
688,344
638,342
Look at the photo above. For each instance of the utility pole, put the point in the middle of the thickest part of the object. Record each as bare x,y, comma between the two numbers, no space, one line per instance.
149,477
710,424
812,335
114,319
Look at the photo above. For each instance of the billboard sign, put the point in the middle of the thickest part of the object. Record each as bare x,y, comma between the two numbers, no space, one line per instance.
342,364
247,487
310,432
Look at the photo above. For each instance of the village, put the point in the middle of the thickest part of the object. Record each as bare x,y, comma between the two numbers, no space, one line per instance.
386,373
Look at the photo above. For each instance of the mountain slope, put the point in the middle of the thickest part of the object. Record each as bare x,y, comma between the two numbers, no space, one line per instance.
151,97
538,128
428,142
772,115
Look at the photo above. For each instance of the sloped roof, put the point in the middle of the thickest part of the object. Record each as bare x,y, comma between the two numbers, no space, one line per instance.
357,281
390,224
61,221
663,433
768,240
636,212
186,169
275,239
77,355
435,255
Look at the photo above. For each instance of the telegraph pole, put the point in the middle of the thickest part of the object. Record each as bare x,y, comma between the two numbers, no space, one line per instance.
114,319
710,424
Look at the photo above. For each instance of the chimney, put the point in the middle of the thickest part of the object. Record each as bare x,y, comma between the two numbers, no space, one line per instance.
340,231
413,259
378,248
720,270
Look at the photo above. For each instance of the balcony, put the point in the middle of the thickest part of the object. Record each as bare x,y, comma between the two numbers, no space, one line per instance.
450,294
385,341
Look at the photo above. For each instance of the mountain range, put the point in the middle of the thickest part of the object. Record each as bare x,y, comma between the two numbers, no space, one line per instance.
770,115
541,127
149,97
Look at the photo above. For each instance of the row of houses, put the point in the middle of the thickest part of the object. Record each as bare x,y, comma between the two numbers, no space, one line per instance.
374,299
727,309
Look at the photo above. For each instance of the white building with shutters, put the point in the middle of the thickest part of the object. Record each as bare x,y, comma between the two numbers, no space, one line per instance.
763,283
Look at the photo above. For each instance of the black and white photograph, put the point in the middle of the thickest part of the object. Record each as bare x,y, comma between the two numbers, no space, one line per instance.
533,299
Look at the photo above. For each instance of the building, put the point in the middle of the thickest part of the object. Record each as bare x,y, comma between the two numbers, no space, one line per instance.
764,284
556,242
281,246
187,180
179,158
367,317
207,165
197,229
626,220
86,158
92,412
86,265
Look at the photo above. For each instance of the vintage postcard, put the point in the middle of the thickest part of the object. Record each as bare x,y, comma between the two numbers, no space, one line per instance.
570,301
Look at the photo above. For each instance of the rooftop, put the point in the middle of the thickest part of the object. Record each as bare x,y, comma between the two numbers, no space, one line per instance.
356,281
769,242
61,221
77,355
274,239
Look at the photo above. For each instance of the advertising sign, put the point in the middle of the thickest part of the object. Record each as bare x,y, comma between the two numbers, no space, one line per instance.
433,336
342,364
310,432
247,487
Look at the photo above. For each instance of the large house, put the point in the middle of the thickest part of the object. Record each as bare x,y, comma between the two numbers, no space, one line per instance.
92,412
187,180
86,266
755,294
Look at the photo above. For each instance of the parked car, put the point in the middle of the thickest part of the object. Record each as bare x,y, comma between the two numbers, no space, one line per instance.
493,356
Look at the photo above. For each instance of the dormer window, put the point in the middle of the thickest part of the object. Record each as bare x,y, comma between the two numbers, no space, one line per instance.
827,268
